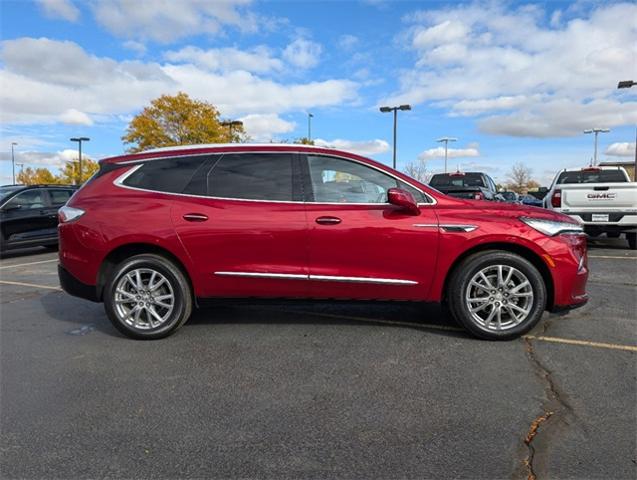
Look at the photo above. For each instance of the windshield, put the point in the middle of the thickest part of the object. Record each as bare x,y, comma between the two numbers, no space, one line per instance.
508,195
457,180
592,176
8,190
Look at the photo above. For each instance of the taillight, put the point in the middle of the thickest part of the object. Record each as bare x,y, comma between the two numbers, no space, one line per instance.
556,199
478,196
68,214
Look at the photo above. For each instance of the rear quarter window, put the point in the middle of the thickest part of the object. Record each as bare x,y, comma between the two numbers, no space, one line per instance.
172,175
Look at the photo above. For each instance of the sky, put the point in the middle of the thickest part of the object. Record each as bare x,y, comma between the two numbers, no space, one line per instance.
513,82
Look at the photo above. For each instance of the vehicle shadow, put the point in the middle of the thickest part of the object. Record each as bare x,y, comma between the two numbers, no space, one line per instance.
23,252
87,316
424,317
608,243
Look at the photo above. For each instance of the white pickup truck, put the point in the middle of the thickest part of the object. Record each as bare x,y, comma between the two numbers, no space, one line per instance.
603,199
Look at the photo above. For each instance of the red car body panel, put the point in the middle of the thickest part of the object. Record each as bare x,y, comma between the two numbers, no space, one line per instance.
377,241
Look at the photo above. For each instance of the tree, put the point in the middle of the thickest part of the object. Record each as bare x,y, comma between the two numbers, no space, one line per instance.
179,120
30,176
304,141
71,171
417,170
519,177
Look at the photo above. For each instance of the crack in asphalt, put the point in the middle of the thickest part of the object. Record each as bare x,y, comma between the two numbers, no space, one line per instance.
555,408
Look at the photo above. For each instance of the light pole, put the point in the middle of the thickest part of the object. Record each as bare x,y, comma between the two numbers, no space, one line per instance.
310,116
13,144
629,84
596,131
446,141
231,124
79,141
395,110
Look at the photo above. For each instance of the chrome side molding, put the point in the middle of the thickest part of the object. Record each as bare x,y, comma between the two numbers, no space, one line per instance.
318,278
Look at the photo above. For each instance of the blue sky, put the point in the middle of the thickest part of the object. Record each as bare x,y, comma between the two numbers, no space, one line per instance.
512,81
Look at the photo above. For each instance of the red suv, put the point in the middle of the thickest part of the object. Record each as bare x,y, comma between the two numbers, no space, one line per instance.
153,234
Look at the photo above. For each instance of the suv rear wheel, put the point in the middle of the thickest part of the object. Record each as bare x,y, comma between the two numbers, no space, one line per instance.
497,295
147,297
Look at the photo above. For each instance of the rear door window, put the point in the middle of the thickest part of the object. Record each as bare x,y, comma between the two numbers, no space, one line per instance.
253,176
28,200
172,175
59,196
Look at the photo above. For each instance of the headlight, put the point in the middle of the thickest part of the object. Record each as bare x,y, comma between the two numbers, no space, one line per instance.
552,227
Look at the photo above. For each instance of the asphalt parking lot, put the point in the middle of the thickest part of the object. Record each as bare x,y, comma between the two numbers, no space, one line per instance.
316,391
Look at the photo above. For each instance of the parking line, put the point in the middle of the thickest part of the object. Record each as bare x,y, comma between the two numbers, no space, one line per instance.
611,256
585,343
30,263
33,285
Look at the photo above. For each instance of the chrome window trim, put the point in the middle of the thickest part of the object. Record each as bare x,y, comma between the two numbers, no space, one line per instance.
318,278
454,228
118,182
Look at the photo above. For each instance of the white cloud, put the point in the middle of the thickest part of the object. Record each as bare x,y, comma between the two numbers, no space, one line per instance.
264,127
64,9
303,53
42,79
258,60
47,159
75,117
169,20
347,41
439,152
363,147
510,66
621,149
138,47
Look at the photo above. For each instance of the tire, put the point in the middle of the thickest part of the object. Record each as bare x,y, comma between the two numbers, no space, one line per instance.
170,297
612,234
632,240
521,305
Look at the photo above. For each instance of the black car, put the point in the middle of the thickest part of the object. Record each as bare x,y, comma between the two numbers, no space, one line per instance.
28,214
470,185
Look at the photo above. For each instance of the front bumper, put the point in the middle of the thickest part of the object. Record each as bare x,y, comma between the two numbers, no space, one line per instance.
73,286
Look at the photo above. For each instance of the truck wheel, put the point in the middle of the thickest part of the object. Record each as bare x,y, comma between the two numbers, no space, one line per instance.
632,240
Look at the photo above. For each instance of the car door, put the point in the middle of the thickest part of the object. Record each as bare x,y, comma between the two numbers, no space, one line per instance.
57,198
24,218
247,233
360,246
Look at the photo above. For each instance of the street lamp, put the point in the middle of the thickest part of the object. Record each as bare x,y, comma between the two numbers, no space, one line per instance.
446,141
310,116
596,131
79,141
395,110
13,144
231,124
629,84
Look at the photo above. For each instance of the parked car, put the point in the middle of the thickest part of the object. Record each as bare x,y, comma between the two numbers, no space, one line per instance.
28,214
510,197
603,199
469,185
531,200
155,234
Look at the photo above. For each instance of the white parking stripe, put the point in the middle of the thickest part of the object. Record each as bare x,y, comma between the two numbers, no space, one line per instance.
33,285
610,256
26,264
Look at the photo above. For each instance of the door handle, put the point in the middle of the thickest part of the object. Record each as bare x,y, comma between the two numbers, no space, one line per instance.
195,217
328,220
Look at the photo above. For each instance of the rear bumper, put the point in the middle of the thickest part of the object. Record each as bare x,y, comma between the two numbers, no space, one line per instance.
73,286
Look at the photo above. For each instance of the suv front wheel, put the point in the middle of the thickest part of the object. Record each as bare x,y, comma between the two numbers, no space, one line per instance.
147,297
497,295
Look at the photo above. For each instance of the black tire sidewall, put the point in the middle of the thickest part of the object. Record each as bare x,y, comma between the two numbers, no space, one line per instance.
181,289
631,238
475,263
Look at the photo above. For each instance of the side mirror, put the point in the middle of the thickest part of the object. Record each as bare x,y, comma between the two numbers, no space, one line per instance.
403,199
